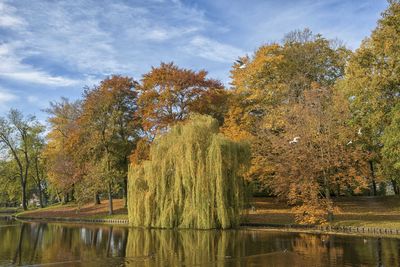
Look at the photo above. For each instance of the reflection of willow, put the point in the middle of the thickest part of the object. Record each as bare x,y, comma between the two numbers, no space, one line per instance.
176,248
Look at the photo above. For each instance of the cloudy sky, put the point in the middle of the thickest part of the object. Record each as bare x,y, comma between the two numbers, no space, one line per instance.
53,48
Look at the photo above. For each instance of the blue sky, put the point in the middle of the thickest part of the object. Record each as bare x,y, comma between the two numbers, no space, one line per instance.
50,49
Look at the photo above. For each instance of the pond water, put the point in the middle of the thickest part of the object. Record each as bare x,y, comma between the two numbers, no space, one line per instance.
54,244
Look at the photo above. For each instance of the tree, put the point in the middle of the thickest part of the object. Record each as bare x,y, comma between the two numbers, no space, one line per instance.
9,179
16,136
38,163
268,83
109,127
167,94
316,155
192,180
372,84
390,150
62,150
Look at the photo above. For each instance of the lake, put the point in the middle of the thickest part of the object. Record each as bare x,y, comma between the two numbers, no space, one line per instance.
55,244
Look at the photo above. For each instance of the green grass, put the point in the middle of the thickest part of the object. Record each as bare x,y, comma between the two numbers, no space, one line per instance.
368,223
8,211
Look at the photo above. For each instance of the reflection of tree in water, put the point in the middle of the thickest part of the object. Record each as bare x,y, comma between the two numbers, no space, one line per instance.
244,248
41,243
91,245
329,249
200,248
320,248
175,248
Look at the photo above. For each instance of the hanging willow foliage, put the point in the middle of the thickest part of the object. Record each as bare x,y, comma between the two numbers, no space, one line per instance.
192,180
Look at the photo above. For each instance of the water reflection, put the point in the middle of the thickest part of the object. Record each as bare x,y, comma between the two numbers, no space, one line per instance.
89,245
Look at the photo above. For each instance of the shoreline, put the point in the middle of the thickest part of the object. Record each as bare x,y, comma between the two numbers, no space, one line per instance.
293,228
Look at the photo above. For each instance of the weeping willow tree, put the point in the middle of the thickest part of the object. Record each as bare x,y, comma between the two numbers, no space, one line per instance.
192,180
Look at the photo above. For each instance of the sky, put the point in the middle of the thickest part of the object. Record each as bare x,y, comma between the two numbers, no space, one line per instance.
54,48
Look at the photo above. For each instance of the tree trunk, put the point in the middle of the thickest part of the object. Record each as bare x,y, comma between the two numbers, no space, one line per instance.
38,183
97,199
371,166
125,192
395,187
24,201
66,198
40,195
73,192
328,197
110,200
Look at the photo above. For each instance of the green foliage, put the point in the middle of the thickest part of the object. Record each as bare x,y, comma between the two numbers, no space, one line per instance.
10,187
372,84
18,137
192,180
391,148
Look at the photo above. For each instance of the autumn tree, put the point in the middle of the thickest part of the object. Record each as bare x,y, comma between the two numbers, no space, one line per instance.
167,94
285,102
109,127
316,155
372,84
275,77
60,152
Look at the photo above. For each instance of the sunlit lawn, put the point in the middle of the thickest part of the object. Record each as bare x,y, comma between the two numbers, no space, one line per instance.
88,211
381,212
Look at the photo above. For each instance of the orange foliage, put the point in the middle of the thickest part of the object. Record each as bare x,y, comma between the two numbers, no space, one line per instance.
168,94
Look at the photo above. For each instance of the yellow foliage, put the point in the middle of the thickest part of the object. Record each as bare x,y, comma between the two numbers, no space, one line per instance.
194,179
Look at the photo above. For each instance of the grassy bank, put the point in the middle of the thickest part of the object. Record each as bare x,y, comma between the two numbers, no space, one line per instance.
88,211
6,212
379,212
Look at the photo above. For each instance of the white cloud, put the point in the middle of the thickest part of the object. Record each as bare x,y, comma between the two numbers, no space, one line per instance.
213,50
85,39
8,18
163,34
6,97
11,67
